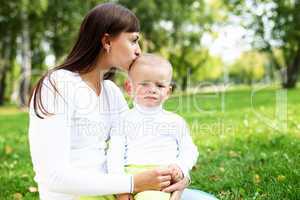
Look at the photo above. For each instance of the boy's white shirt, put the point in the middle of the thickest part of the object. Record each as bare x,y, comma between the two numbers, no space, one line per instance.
151,136
68,149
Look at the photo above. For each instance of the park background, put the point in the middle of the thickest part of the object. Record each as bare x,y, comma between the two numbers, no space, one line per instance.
236,65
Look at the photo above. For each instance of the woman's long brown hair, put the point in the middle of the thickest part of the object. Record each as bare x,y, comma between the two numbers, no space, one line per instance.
105,18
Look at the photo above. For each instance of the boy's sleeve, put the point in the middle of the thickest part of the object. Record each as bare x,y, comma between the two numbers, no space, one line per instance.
188,152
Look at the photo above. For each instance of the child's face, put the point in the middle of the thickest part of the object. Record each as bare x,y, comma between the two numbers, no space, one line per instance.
150,85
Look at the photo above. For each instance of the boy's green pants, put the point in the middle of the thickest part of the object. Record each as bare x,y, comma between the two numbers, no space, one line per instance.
145,195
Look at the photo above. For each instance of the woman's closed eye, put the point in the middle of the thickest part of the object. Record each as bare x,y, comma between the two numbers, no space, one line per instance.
135,40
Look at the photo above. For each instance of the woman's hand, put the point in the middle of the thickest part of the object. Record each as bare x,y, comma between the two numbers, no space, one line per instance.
124,197
180,185
156,179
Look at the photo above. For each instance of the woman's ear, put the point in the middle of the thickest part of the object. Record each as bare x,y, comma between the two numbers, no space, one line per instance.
128,87
105,41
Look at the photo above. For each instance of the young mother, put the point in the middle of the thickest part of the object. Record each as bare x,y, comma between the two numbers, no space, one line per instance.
73,109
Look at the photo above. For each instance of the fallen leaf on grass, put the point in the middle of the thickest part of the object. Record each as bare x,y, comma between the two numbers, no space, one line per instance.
256,179
281,178
214,178
233,154
8,149
18,196
32,189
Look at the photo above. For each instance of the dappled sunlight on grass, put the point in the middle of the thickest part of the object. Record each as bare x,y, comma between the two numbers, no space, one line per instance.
11,110
245,151
242,154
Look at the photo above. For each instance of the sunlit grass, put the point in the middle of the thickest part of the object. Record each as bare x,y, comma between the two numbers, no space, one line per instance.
249,145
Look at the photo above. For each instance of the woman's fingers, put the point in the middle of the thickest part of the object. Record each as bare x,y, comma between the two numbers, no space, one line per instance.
163,172
152,180
165,178
165,184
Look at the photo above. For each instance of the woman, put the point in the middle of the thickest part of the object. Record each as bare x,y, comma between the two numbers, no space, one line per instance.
73,109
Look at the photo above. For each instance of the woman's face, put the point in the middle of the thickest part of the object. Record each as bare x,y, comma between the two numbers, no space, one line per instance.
124,50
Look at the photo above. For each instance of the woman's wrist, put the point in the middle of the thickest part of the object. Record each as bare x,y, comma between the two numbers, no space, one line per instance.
135,183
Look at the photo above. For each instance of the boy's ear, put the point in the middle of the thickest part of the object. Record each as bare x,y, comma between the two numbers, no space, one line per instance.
128,87
170,90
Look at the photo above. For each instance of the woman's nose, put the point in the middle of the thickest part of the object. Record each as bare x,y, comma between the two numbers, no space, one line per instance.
138,51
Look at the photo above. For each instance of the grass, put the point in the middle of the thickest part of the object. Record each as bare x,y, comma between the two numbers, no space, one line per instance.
249,145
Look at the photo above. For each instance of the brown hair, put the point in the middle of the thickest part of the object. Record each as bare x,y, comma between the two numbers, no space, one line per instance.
107,18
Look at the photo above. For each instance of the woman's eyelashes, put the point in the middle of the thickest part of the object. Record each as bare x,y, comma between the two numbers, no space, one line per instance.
135,40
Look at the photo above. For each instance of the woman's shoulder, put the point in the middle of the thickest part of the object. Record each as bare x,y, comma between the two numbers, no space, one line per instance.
62,81
112,88
63,75
115,95
61,78
110,85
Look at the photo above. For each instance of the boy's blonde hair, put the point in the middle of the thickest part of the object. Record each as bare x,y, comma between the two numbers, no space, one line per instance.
152,60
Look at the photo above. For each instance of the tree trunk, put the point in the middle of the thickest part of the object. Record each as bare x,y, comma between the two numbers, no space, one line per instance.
291,75
26,62
7,51
184,83
2,87
186,77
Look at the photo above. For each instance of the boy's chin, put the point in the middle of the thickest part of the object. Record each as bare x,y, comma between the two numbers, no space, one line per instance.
151,104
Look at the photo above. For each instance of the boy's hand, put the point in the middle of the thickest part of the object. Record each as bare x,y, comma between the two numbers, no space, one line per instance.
176,195
124,197
177,174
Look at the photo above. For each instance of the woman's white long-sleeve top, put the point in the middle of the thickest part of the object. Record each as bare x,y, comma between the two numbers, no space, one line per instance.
68,149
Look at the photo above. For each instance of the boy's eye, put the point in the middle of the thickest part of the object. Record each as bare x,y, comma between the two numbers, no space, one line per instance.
160,85
144,84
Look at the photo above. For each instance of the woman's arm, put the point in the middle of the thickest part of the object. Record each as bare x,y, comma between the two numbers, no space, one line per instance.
50,148
116,150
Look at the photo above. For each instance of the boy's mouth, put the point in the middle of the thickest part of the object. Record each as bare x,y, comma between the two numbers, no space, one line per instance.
150,98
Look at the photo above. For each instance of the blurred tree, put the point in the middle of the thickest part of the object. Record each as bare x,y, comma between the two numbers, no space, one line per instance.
276,25
175,29
212,70
248,68
26,27
9,26
62,21
31,30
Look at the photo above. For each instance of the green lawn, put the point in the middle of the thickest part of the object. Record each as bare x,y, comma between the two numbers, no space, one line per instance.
249,145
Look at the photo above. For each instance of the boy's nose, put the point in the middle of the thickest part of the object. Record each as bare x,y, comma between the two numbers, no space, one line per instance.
152,90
